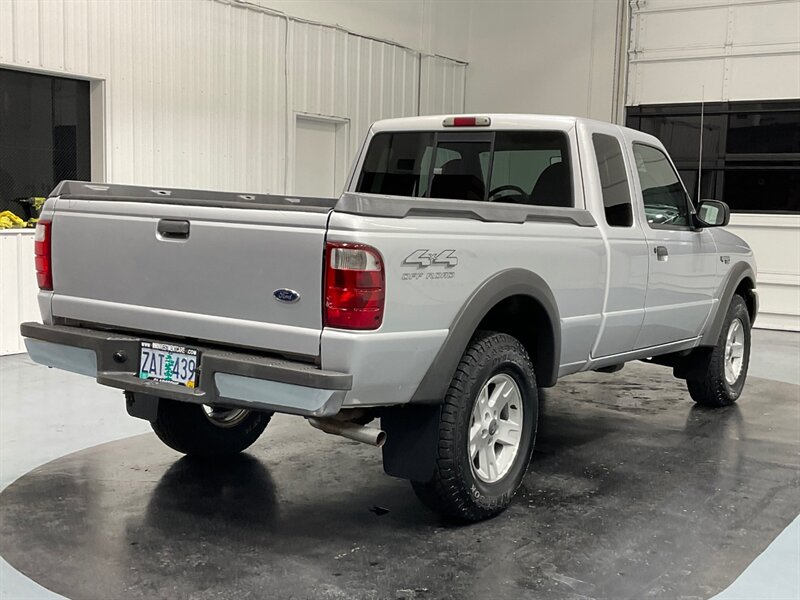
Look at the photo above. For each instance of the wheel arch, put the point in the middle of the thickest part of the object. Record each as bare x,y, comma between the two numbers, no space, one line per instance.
499,304
740,280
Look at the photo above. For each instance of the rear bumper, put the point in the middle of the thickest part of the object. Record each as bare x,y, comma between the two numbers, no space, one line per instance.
225,378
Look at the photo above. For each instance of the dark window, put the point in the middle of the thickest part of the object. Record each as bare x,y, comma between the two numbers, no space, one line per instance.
613,180
458,173
749,188
751,150
526,167
393,164
665,201
764,133
44,136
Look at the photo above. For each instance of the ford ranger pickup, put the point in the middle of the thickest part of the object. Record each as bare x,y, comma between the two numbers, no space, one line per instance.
471,261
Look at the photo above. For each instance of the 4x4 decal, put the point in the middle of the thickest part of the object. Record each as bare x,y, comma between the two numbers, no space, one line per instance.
427,258
424,258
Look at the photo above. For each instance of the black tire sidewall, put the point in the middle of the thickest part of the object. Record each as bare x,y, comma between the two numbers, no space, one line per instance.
186,428
516,364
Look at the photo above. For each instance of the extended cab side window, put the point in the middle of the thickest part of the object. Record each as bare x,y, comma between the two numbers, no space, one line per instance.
531,167
613,180
518,167
665,201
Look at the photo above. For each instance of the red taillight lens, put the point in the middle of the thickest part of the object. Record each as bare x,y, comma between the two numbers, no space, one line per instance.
354,286
467,122
41,249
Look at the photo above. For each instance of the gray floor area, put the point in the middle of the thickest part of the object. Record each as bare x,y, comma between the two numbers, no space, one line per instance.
46,414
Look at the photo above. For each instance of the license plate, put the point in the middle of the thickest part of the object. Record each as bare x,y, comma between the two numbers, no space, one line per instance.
168,363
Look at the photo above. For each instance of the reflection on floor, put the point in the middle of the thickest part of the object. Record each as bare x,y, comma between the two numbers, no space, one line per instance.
633,491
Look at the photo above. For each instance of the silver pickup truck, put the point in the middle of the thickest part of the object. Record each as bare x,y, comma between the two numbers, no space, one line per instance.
471,261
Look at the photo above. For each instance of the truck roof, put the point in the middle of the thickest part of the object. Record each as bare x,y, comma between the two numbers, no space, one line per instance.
497,121
502,121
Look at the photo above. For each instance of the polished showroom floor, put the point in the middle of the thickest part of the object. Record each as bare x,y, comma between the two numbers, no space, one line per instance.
633,493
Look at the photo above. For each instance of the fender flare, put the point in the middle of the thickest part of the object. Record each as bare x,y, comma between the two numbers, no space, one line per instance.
502,285
738,273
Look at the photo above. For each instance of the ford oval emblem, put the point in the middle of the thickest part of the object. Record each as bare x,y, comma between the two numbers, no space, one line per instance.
285,295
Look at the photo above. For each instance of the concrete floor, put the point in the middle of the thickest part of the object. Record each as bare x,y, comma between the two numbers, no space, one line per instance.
632,493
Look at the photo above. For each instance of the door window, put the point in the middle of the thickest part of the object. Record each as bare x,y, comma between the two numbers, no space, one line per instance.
665,202
613,180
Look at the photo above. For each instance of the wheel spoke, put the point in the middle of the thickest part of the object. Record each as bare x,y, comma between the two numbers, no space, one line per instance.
474,438
491,466
483,461
483,397
477,415
496,393
508,433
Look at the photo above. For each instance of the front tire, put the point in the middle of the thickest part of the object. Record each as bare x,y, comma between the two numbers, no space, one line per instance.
721,379
486,432
198,430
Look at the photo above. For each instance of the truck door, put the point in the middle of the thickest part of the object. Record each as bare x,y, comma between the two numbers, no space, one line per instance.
682,259
627,249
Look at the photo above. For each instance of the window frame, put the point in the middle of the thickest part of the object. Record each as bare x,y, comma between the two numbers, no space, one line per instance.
689,204
471,135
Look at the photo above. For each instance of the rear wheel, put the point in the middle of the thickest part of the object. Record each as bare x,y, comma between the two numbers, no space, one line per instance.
486,431
199,430
720,380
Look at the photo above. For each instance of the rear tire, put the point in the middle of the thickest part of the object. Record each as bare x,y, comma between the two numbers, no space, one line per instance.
486,433
196,430
720,380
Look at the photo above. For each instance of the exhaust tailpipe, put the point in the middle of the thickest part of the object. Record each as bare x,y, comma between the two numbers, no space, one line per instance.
352,431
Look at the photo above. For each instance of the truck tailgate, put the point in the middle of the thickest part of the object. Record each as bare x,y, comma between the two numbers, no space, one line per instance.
111,265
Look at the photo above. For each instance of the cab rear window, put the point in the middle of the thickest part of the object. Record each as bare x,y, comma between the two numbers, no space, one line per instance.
517,167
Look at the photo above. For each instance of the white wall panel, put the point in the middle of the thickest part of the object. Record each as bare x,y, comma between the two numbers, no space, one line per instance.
442,86
775,241
18,288
768,76
543,57
736,50
349,77
432,26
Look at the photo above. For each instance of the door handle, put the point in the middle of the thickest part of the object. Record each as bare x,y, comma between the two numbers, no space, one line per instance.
173,229
661,253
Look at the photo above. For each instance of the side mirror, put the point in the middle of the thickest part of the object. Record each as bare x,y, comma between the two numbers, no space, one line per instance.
712,213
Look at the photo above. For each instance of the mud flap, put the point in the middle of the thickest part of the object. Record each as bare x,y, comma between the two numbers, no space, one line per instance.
411,440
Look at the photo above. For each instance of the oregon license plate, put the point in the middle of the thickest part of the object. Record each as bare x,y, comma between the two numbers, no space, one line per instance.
168,363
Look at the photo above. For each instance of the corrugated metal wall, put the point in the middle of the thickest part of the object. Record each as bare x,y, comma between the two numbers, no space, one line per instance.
442,86
205,93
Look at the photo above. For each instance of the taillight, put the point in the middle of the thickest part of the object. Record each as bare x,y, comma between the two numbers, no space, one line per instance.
41,249
354,286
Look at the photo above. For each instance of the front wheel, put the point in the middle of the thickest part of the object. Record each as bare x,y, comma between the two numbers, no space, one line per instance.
721,379
486,431
208,432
